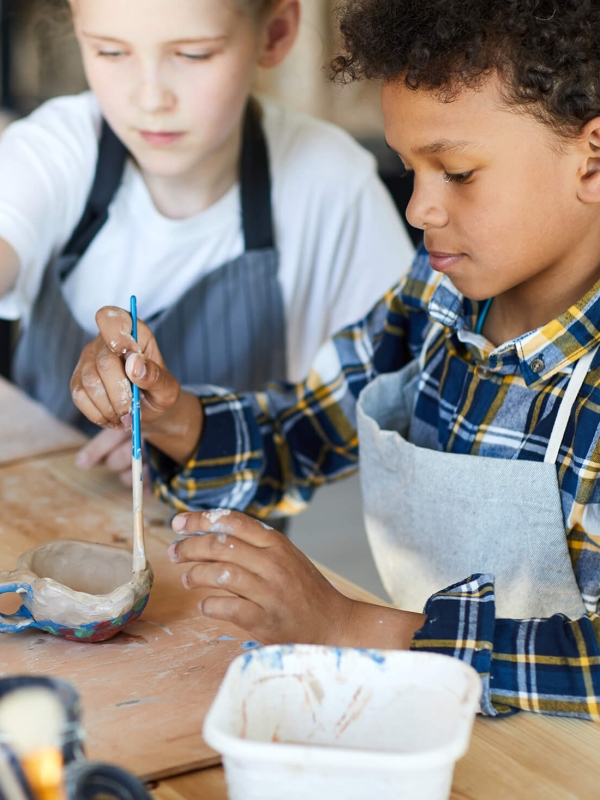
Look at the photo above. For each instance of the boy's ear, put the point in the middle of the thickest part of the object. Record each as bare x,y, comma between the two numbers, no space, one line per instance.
589,185
281,29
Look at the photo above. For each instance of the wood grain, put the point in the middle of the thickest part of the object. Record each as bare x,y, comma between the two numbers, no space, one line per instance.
28,430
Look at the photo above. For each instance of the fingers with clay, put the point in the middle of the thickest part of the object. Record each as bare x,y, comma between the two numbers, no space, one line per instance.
276,593
101,387
224,521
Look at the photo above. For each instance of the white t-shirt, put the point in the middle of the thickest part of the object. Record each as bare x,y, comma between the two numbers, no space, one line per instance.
340,239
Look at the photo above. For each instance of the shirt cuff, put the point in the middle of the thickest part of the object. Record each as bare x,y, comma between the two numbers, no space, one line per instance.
461,621
226,466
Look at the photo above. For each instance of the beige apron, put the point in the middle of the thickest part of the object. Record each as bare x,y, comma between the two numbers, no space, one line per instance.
435,518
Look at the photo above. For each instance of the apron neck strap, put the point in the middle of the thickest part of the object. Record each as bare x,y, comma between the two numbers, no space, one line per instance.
576,381
112,155
255,182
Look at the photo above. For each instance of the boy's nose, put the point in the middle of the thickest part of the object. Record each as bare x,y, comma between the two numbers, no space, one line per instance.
425,209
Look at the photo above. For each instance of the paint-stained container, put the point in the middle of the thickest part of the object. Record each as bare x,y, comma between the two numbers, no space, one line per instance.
303,721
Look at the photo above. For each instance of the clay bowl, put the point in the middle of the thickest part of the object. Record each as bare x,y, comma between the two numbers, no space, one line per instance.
82,591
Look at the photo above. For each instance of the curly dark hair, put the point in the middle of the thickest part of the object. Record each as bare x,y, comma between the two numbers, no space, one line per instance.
546,51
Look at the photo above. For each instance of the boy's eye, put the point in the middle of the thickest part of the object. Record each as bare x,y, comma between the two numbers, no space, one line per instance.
461,177
111,53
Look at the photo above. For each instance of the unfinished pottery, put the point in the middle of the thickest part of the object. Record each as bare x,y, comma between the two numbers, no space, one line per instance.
80,591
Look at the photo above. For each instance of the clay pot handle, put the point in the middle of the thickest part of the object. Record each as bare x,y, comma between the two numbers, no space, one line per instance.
22,619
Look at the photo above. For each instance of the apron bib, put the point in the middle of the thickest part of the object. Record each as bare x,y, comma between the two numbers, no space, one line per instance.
228,329
434,518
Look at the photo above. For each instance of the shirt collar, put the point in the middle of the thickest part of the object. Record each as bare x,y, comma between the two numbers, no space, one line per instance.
543,352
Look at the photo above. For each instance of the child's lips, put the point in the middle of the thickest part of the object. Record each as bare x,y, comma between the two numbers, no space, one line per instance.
442,262
160,139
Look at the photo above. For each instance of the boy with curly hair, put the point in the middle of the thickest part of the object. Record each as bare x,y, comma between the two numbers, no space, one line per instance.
473,387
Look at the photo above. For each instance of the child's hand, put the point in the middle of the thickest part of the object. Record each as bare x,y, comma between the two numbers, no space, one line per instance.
276,593
100,386
111,449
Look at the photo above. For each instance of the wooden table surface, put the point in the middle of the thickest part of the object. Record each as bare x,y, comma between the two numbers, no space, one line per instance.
28,430
525,756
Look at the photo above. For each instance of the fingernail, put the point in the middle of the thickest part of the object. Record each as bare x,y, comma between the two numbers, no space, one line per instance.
185,580
126,422
136,366
178,523
172,552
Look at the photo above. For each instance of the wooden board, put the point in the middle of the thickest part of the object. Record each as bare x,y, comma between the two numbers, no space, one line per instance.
28,430
145,693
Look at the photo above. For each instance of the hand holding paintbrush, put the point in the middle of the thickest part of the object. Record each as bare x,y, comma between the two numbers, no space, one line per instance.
173,418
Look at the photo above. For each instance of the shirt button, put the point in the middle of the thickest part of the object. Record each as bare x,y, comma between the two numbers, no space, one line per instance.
483,372
537,365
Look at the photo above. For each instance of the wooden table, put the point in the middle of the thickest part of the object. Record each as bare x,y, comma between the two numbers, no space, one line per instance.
525,756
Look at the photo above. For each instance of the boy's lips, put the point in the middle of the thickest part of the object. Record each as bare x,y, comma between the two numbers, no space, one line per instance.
160,139
442,262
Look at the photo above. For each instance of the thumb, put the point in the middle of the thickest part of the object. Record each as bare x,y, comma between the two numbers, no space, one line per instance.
160,388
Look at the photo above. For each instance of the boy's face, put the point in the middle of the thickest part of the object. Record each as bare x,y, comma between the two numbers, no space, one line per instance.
172,76
496,192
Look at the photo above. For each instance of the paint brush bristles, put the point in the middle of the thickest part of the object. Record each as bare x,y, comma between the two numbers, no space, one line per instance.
139,550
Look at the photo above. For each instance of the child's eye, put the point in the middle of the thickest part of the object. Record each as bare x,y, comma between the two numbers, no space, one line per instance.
111,53
195,56
461,177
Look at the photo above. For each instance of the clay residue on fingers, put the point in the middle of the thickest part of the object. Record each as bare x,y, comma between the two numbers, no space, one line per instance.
216,514
221,529
125,388
223,577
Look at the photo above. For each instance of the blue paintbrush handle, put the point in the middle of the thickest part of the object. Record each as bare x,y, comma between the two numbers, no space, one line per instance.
136,433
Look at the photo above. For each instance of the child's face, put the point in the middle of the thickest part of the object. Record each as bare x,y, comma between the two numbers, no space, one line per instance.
172,76
496,192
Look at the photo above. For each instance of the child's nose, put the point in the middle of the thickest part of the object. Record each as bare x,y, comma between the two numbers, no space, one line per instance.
154,95
426,209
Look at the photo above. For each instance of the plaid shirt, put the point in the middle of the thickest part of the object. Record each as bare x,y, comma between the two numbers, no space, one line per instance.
267,452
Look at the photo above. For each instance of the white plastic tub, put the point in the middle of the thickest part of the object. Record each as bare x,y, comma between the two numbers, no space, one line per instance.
302,721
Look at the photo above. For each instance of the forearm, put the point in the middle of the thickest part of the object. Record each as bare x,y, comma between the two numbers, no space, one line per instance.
267,452
250,457
178,432
380,627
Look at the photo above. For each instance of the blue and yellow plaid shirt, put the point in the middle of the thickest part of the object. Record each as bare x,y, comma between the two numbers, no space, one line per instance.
267,452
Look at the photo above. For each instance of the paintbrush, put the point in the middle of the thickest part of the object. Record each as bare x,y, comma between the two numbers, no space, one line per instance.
139,549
